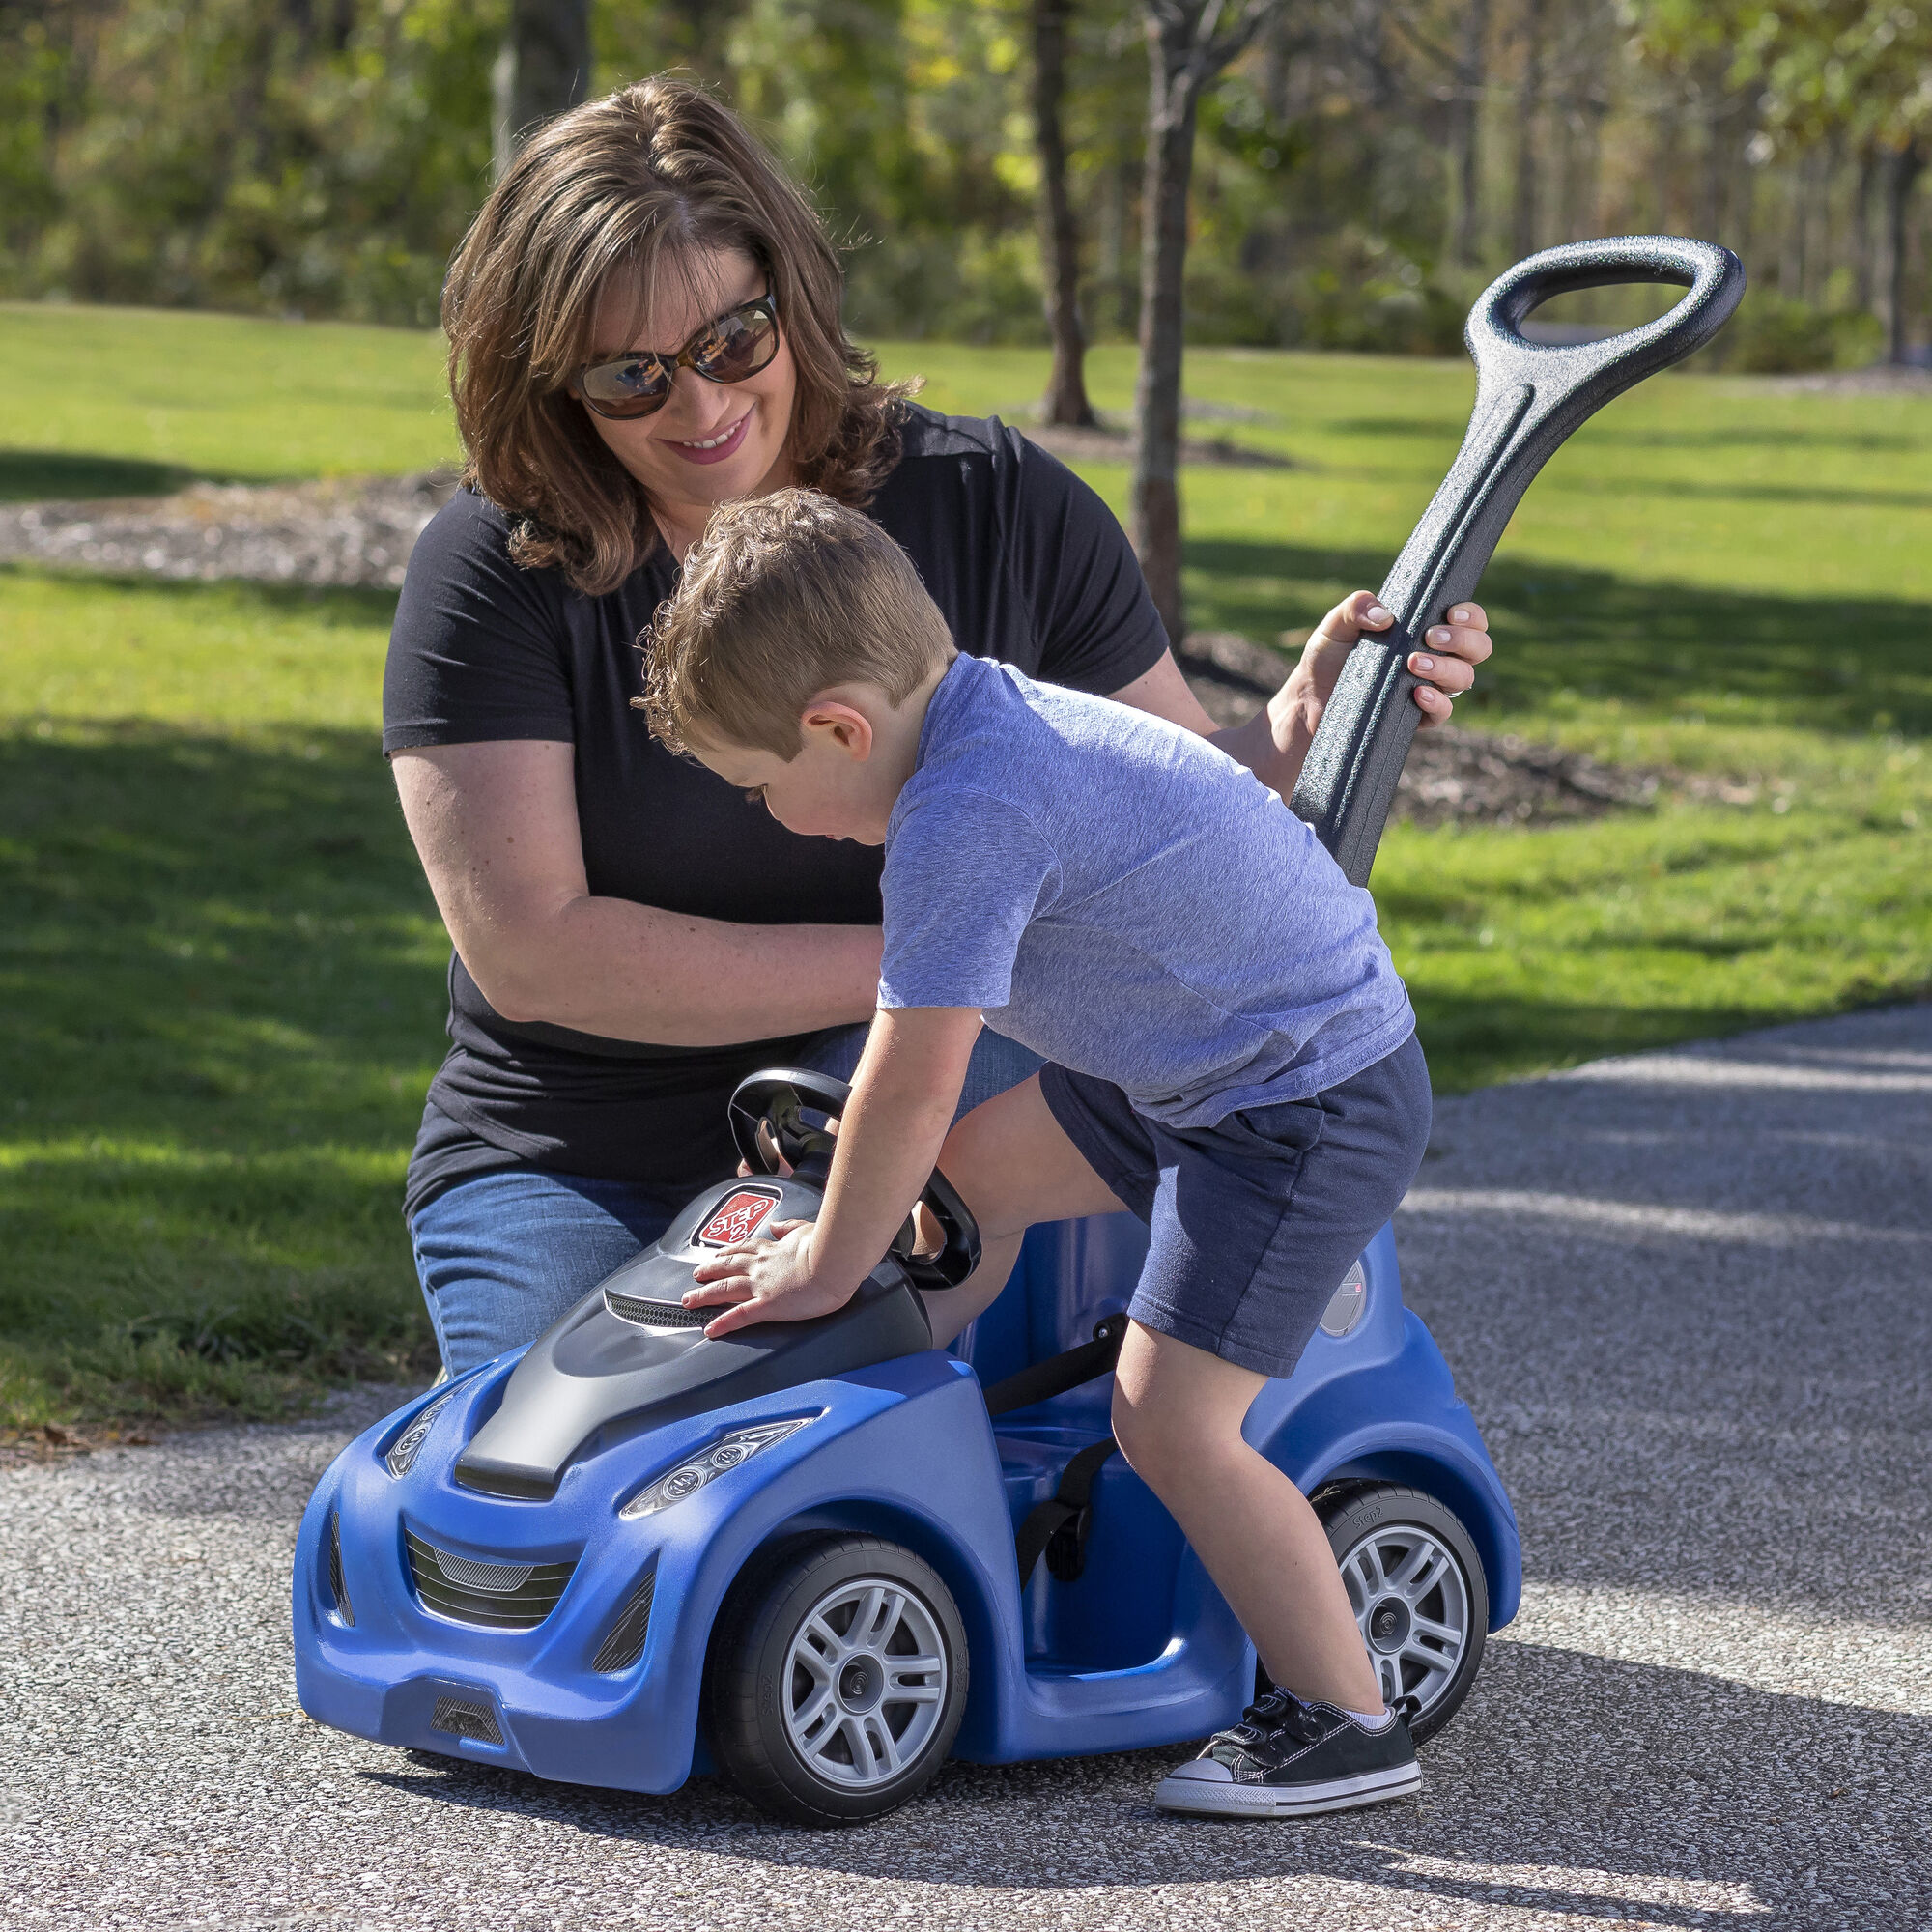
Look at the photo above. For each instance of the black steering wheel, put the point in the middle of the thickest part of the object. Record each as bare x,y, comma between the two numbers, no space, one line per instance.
775,1101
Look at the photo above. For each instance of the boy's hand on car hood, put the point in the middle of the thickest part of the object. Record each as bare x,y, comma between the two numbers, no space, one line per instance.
766,1281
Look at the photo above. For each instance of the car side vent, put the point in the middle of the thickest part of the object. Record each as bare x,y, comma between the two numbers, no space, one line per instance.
465,1718
656,1314
499,1595
625,1643
336,1588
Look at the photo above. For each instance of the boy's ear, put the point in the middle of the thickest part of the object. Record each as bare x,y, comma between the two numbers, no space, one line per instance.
843,728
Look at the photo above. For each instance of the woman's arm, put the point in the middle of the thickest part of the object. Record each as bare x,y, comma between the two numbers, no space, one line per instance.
497,830
1274,743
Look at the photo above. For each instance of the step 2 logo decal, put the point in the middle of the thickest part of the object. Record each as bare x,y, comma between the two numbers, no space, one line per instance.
738,1218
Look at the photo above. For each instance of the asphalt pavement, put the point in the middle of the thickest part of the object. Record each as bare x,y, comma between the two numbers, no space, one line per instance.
1686,1295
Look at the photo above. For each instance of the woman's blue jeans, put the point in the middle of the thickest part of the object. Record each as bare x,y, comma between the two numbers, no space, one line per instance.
502,1257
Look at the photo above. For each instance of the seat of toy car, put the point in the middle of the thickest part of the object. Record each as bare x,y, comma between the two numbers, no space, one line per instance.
1115,1611
1069,1274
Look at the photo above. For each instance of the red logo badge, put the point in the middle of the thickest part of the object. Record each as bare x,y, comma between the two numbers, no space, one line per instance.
739,1218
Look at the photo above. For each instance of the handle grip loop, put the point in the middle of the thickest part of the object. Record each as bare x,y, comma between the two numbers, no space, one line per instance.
1529,397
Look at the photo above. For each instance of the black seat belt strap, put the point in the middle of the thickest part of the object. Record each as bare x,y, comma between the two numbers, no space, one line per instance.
1060,1526
1060,1373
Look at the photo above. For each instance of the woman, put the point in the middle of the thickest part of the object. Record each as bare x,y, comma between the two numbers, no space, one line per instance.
643,322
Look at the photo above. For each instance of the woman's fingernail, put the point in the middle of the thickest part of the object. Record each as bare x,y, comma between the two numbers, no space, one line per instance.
1376,615
1421,664
1440,637
1458,615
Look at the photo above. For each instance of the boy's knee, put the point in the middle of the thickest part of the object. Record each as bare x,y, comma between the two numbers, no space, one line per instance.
1152,1440
1170,1430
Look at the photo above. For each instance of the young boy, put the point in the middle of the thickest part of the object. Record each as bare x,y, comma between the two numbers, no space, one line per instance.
1233,1055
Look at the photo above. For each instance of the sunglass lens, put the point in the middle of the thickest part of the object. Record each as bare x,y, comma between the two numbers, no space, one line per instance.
634,386
740,346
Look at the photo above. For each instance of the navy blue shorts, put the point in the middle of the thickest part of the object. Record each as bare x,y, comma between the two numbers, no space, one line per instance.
1255,1219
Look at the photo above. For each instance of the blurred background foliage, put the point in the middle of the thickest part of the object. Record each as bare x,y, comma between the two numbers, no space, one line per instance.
1362,169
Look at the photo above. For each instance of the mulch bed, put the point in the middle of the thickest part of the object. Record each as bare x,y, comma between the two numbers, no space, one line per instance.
1476,777
359,532
55,1442
1104,442
345,531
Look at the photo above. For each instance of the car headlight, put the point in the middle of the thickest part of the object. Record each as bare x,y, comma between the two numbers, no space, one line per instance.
727,1453
403,1450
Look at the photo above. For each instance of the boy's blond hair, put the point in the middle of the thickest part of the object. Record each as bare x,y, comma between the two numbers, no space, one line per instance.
781,598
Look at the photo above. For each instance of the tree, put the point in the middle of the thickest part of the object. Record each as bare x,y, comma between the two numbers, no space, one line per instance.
543,69
1528,104
1065,401
1903,165
1856,71
1189,43
1467,75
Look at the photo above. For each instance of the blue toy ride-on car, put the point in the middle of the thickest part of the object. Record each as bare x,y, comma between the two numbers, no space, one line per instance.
823,1556
836,1554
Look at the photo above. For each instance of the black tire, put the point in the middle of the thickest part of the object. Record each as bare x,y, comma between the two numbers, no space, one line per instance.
871,1751
1372,1519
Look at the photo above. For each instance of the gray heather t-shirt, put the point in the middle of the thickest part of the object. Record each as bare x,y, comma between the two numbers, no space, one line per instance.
1121,897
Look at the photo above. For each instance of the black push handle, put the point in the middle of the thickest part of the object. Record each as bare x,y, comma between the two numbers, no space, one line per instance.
1529,396
777,1099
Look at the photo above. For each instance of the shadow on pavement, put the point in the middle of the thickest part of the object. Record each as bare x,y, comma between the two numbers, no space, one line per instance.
1572,1784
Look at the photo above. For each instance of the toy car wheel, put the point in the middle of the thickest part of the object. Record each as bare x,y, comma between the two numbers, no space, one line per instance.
1418,1592
837,1681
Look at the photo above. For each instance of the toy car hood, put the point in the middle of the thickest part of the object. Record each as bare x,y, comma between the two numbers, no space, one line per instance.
633,1358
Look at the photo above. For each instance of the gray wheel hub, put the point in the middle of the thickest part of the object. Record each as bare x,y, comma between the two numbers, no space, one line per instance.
1412,1602
865,1683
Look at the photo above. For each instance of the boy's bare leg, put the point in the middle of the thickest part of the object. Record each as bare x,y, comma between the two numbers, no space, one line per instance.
1015,1166
1178,1414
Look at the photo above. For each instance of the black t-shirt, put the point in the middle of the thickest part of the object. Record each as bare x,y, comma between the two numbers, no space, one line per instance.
1028,566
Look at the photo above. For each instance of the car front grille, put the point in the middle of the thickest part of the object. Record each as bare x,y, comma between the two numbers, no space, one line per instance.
467,1717
337,1588
501,1596
656,1314
625,1643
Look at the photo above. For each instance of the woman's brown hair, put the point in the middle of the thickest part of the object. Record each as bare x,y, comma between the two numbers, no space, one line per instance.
620,191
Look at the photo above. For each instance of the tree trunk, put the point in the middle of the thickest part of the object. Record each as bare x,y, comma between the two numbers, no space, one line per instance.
1902,168
1065,401
1153,520
1862,226
1465,123
1529,104
1189,41
543,69
1714,97
1277,48
1118,281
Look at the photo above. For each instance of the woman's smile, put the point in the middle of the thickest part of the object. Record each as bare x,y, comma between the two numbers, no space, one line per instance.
717,448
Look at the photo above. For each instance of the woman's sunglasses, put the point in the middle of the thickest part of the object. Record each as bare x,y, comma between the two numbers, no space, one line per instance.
738,344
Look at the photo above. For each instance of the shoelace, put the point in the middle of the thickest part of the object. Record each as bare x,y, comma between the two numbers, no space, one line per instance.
1280,1709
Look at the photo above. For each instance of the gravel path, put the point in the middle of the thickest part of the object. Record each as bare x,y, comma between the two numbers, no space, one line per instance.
1686,1294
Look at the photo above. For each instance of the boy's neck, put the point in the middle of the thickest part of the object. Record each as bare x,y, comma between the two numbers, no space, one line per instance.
896,742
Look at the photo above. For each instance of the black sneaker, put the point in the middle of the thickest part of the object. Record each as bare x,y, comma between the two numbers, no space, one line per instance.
1285,1759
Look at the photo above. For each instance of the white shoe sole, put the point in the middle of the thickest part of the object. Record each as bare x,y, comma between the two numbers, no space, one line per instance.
1205,1797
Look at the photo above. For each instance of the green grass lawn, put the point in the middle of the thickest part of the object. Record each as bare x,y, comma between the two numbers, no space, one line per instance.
223,971
101,402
